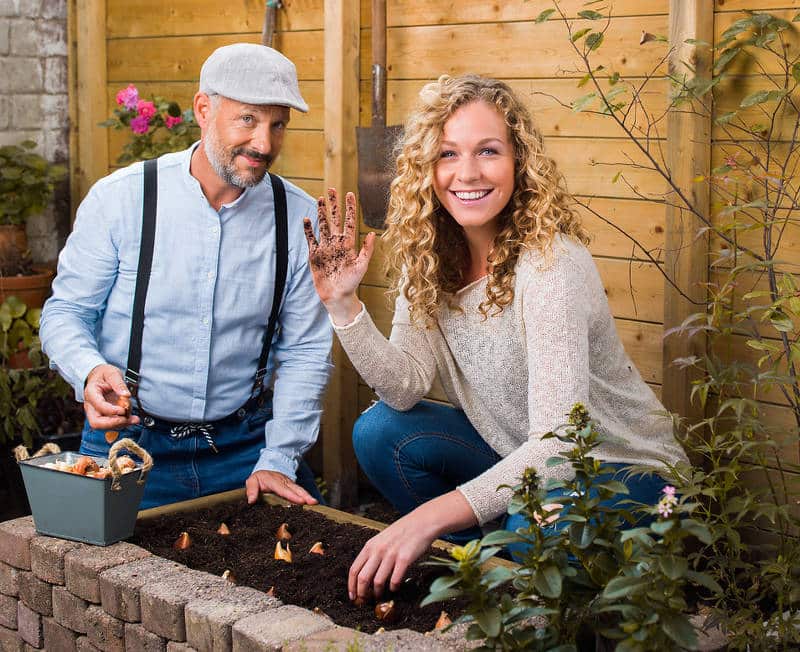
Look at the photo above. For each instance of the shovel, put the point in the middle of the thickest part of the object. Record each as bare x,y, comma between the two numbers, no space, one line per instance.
376,143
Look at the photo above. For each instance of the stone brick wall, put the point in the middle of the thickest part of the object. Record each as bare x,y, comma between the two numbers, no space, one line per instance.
67,597
33,100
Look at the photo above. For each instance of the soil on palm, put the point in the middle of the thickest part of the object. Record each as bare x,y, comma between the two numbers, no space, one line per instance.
311,581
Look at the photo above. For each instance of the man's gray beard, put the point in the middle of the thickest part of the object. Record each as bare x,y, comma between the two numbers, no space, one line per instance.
215,152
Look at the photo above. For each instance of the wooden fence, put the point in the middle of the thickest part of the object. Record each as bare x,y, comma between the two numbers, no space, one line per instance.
160,47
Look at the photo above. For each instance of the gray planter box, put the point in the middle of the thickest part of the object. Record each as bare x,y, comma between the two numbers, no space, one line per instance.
77,507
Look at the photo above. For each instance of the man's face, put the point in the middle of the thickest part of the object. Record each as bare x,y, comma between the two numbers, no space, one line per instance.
242,140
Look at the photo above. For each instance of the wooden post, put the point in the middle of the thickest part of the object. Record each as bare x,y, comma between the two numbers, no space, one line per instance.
342,24
88,97
688,156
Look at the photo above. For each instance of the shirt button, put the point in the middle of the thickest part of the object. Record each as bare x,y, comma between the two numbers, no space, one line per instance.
210,275
205,320
215,230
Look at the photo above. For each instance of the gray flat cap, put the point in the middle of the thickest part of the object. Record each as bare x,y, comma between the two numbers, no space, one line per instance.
253,74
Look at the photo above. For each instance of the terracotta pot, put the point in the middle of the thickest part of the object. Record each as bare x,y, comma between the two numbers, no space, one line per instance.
13,237
33,290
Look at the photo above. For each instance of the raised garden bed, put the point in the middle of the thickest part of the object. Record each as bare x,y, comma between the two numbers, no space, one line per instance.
312,581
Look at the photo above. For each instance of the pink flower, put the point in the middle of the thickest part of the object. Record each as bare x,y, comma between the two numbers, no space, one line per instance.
669,490
171,121
146,109
140,124
664,510
128,97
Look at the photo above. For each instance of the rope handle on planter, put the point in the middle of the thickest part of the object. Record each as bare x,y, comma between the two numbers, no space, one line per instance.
133,447
21,453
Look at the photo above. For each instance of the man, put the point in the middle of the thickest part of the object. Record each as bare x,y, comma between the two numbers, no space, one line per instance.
186,347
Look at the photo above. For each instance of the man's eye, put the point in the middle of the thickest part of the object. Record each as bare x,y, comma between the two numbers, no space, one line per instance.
247,119
279,126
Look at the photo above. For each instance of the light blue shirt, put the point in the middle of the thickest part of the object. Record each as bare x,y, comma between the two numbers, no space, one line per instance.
208,301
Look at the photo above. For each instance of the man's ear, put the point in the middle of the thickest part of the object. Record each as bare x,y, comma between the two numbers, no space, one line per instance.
202,109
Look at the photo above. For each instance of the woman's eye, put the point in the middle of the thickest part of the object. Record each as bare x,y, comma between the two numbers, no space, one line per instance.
489,151
447,154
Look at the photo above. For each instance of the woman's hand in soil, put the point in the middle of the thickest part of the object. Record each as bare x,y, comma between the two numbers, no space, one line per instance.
335,267
273,482
104,386
387,556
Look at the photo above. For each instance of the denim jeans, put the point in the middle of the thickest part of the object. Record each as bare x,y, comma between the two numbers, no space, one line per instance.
414,456
188,467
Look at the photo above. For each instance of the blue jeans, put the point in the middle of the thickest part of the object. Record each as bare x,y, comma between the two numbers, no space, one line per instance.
414,456
188,468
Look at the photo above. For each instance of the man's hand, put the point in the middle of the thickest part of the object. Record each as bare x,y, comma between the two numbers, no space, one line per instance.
104,385
276,483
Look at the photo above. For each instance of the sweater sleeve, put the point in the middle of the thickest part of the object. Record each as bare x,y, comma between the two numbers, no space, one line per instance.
401,369
555,321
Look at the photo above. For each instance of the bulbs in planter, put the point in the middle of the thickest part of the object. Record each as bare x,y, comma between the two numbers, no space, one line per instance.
183,541
443,621
223,530
385,611
282,552
318,548
283,533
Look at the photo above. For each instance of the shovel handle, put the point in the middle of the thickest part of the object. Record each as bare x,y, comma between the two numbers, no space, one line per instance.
378,63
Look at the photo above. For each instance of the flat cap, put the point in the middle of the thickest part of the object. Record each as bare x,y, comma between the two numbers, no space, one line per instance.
253,74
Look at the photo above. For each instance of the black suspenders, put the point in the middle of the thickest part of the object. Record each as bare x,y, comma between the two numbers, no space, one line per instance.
149,204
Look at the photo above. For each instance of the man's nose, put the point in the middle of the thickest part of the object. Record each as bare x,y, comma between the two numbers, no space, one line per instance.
262,140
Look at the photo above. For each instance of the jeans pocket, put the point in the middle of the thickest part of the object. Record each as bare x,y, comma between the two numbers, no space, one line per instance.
93,442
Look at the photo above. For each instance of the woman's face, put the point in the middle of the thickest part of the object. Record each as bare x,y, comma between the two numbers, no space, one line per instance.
474,176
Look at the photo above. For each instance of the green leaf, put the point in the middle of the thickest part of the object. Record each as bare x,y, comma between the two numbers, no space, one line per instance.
497,576
679,629
796,19
613,485
796,70
780,321
759,97
704,580
501,538
673,567
440,596
621,587
615,178
580,33
547,581
582,102
593,41
490,621
725,58
544,15
588,14
725,118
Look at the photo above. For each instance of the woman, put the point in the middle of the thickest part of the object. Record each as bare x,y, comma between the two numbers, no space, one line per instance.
499,296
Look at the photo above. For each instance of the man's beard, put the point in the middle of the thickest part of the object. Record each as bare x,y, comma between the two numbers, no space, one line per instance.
222,162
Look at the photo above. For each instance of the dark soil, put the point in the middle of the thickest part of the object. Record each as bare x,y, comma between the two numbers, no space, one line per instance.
311,581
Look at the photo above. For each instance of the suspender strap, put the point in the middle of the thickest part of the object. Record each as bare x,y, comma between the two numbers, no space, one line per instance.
281,265
149,203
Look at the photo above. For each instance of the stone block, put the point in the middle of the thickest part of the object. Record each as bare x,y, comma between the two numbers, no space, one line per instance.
5,38
69,610
55,75
10,640
25,41
82,566
163,600
9,580
26,111
54,9
270,631
55,111
138,639
336,639
209,622
104,631
30,8
85,645
9,8
16,136
47,558
58,637
52,38
35,593
55,144
21,75
15,538
8,611
406,639
119,586
173,646
29,625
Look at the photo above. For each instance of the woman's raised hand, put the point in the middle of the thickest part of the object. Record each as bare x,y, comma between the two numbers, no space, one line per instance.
335,267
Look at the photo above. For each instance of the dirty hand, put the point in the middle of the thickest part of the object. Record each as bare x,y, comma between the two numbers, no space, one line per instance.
386,557
335,267
104,386
276,483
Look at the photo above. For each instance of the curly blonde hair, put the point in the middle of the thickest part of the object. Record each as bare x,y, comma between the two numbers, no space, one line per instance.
427,252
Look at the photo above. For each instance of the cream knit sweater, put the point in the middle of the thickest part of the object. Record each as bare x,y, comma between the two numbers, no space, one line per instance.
518,374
